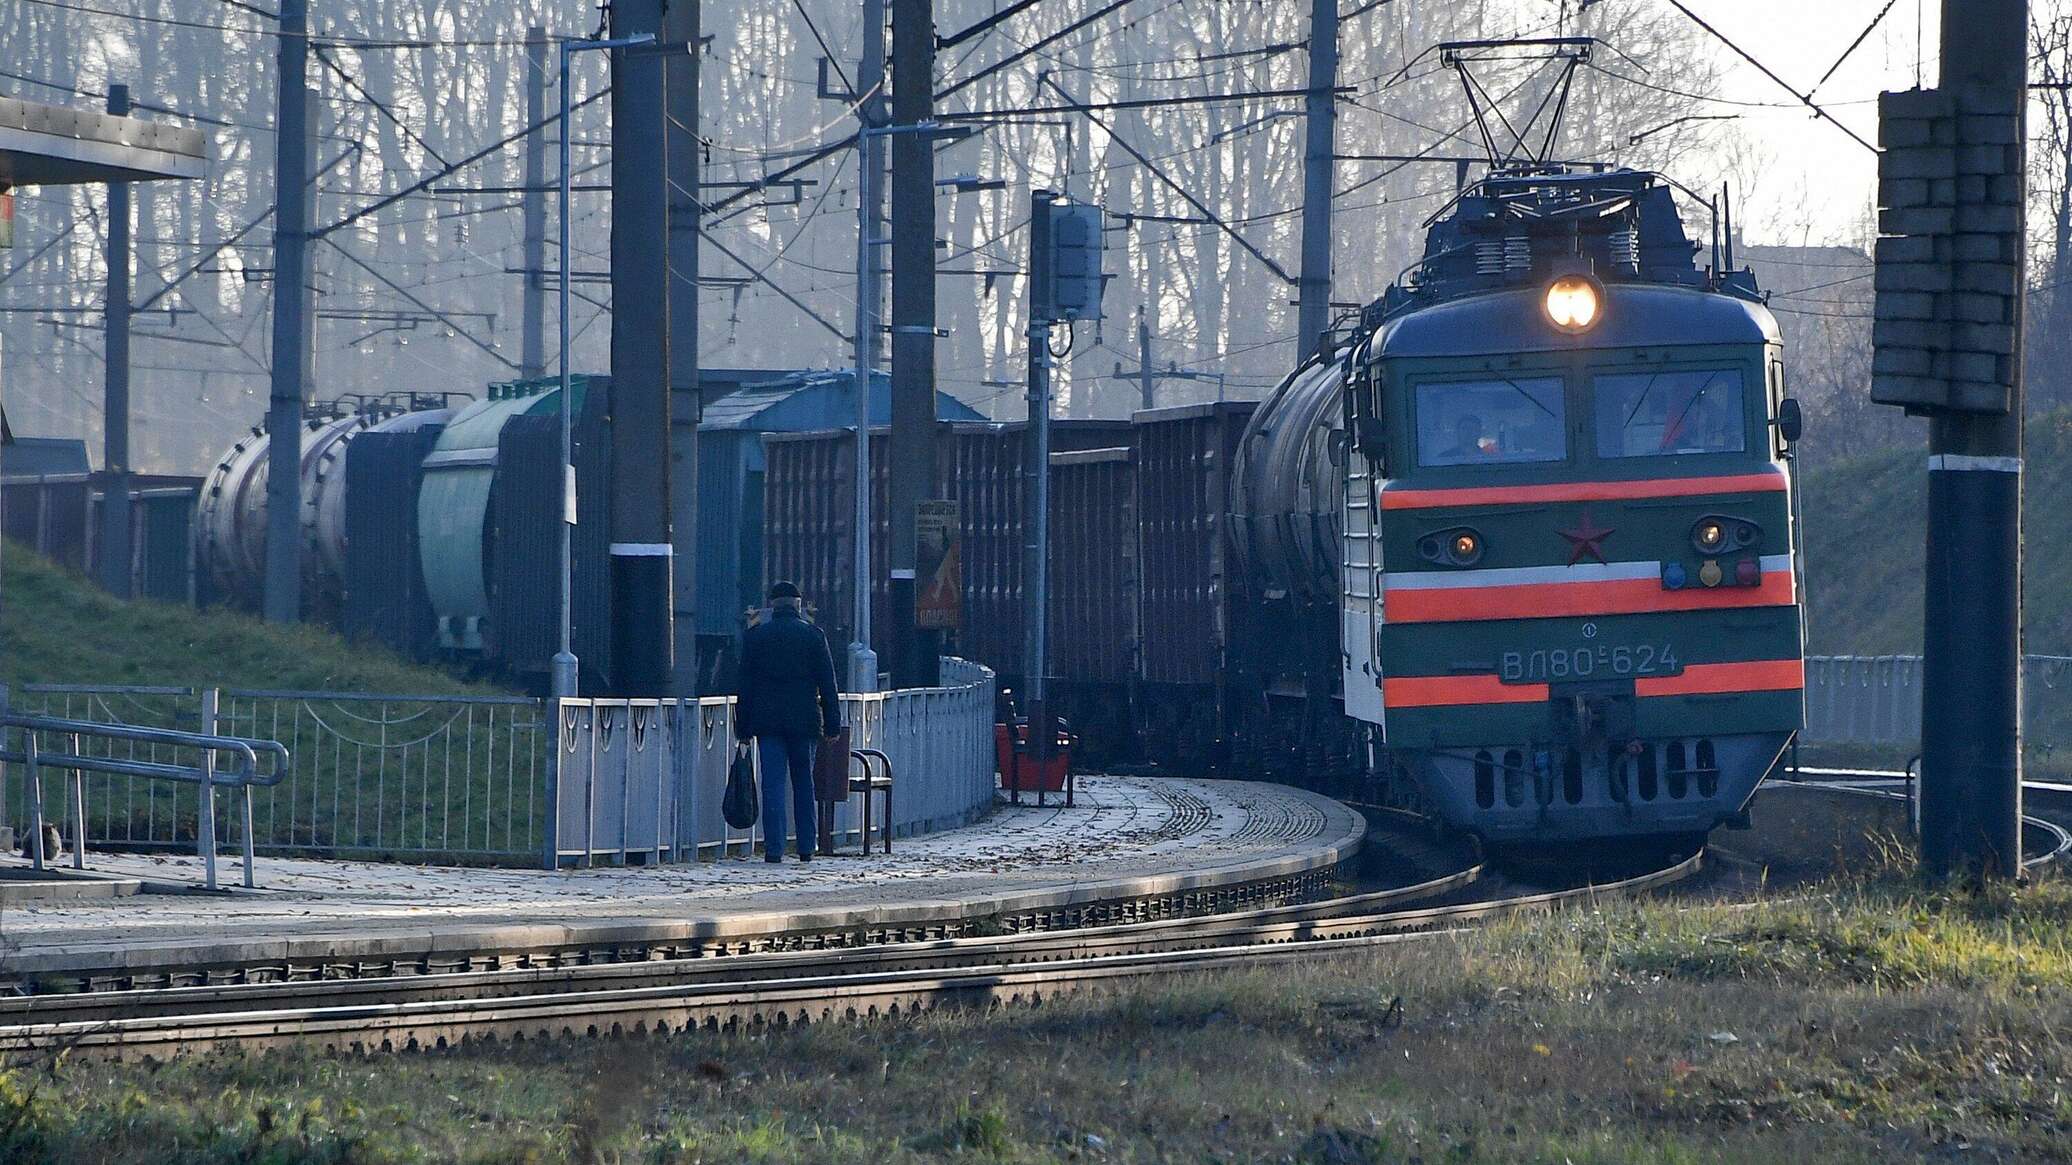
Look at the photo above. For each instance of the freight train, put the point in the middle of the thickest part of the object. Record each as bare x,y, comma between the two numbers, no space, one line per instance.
1518,545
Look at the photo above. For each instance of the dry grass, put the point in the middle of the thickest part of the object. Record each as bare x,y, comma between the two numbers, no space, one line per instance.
1874,1021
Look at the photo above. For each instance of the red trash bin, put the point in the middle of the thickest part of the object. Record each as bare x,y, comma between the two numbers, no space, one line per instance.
1021,771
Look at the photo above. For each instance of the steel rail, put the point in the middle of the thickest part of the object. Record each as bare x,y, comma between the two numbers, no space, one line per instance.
825,985
2060,837
1034,946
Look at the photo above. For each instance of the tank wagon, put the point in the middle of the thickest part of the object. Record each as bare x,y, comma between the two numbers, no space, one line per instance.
431,524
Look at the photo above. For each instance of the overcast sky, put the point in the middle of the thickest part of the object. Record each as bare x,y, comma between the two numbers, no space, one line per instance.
1810,172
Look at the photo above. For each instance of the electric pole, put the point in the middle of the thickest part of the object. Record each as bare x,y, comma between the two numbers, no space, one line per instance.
532,358
681,23
1971,727
1318,177
1147,379
642,593
1148,375
912,447
115,408
870,146
1036,550
290,372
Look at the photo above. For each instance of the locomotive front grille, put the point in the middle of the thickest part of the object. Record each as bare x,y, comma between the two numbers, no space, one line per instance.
1640,772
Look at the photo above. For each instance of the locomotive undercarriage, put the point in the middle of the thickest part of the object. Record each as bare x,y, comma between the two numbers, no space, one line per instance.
1554,791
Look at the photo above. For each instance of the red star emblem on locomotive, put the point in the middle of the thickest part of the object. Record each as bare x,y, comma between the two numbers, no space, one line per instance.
1587,538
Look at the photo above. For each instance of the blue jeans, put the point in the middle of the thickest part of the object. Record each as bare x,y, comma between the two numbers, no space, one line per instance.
792,757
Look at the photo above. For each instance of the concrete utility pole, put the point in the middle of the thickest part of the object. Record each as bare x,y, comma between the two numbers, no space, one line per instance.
914,662
290,373
642,594
1148,375
681,25
1971,730
1147,379
870,218
115,408
1319,173
1036,548
532,357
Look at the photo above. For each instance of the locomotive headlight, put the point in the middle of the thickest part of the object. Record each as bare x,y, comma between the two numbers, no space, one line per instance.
1710,535
1460,546
1574,303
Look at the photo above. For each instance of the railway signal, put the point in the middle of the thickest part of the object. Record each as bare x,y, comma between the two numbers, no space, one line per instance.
1065,282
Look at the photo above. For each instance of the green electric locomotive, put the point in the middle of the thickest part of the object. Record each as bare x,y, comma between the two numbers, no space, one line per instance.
1569,586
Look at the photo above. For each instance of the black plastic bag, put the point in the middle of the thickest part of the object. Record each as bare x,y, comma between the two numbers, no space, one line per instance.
741,806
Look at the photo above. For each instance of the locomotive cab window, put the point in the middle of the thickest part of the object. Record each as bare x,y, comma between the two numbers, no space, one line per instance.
1657,414
1491,422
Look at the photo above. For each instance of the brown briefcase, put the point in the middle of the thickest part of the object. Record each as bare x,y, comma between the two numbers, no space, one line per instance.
831,768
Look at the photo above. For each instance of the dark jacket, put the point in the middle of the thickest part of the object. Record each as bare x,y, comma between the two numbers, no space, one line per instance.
787,680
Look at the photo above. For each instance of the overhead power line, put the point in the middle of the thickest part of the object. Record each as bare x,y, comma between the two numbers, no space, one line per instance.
762,277
1804,99
421,305
1158,171
209,255
380,106
1860,38
446,170
987,25
348,39
1017,57
827,53
1091,108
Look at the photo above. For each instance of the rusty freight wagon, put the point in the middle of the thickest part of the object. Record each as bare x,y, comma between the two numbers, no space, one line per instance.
809,510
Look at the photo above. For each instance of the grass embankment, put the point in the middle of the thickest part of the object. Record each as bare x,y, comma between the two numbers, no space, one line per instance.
402,777
1876,1021
1866,524
57,627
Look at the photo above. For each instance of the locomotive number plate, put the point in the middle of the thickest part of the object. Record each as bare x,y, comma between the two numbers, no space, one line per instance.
1601,661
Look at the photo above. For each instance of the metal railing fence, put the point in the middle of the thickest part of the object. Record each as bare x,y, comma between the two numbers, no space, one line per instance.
643,779
199,769
1876,700
377,776
491,779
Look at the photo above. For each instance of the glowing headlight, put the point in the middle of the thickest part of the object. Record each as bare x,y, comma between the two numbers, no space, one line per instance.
1574,302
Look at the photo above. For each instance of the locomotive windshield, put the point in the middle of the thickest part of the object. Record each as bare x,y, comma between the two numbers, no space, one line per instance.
1656,414
1491,422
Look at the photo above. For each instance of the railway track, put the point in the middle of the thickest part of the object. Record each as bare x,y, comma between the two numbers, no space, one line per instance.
2044,839
420,1012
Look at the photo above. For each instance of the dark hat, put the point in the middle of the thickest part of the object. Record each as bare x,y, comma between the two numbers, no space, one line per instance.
784,590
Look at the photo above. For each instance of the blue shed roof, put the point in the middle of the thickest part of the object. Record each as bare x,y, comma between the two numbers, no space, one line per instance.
809,401
46,456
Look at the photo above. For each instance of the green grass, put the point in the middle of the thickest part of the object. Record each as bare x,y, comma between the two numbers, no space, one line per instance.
57,627
358,782
1866,524
1871,1020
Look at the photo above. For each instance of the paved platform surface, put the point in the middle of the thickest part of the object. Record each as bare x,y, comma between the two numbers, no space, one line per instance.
1127,837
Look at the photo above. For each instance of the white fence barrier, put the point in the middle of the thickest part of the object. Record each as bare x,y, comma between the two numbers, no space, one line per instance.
1876,699
642,780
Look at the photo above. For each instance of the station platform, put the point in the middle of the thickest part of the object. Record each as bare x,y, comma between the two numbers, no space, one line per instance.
1131,847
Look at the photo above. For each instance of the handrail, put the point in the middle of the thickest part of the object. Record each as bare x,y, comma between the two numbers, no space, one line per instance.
244,778
246,749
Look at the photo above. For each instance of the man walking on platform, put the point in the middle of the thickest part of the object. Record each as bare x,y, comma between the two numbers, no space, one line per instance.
788,704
